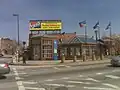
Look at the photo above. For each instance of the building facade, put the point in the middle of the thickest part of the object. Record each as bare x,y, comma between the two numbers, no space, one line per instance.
7,46
43,48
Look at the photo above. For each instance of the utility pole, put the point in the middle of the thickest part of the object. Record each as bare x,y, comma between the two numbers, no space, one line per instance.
17,15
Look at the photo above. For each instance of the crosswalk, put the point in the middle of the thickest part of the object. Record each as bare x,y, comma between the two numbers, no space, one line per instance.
77,83
93,81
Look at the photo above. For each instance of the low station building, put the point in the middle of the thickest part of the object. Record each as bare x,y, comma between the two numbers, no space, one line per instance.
52,46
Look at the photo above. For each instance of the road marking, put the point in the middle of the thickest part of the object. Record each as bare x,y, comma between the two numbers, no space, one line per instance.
115,70
56,68
67,66
92,79
78,82
22,73
60,85
61,65
99,73
14,69
98,88
25,82
32,88
19,83
50,80
80,76
34,70
18,78
65,78
111,85
112,76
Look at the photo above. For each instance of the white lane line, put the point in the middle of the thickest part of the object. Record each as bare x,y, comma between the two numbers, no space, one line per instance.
99,73
92,79
25,82
60,85
19,83
112,76
22,73
67,66
97,88
50,80
111,85
65,78
56,68
80,76
115,70
32,88
78,82
18,78
61,65
14,69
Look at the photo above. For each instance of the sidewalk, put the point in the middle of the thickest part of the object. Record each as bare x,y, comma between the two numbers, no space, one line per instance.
57,63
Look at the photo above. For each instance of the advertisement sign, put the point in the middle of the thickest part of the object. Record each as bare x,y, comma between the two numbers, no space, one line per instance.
45,25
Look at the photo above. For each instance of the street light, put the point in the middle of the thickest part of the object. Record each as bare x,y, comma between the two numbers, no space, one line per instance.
17,15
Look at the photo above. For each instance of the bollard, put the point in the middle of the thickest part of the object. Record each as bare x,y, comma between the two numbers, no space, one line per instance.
84,58
63,59
93,56
101,57
75,58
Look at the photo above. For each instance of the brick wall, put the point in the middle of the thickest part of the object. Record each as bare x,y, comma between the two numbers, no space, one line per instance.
7,45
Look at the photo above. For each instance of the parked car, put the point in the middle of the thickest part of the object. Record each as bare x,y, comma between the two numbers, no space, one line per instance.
4,68
115,61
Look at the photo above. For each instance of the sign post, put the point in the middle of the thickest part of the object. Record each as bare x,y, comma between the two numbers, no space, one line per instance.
55,50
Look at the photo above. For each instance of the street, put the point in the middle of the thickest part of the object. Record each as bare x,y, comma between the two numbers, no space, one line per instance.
103,77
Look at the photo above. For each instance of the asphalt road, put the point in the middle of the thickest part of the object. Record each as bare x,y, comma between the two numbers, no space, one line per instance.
90,77
99,78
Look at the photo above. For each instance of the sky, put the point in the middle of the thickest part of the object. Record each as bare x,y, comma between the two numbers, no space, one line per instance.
71,12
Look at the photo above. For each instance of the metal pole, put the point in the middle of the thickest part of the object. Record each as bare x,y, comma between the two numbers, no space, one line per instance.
99,32
99,43
110,41
96,36
17,15
85,34
18,28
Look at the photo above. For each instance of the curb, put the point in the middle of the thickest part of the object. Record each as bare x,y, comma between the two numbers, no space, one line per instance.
75,65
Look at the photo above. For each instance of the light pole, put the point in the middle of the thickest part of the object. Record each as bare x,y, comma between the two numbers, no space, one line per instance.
17,15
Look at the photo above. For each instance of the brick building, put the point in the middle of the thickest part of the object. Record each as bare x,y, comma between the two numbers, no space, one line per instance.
7,46
42,46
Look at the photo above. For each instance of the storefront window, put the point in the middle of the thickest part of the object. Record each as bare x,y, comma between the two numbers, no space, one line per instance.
78,51
65,51
71,51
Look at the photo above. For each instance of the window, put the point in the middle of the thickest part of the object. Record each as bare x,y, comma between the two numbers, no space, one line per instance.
71,51
78,51
65,51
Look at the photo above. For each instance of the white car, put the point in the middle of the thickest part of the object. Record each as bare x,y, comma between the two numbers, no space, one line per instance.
4,68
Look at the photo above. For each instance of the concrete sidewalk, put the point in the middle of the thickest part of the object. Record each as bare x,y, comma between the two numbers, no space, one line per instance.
57,63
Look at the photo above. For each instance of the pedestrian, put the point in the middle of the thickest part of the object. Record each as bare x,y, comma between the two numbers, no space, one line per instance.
24,57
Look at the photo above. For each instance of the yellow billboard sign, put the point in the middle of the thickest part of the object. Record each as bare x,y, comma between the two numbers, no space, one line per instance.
43,25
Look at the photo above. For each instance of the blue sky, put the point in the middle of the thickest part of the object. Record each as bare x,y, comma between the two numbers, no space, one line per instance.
71,12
